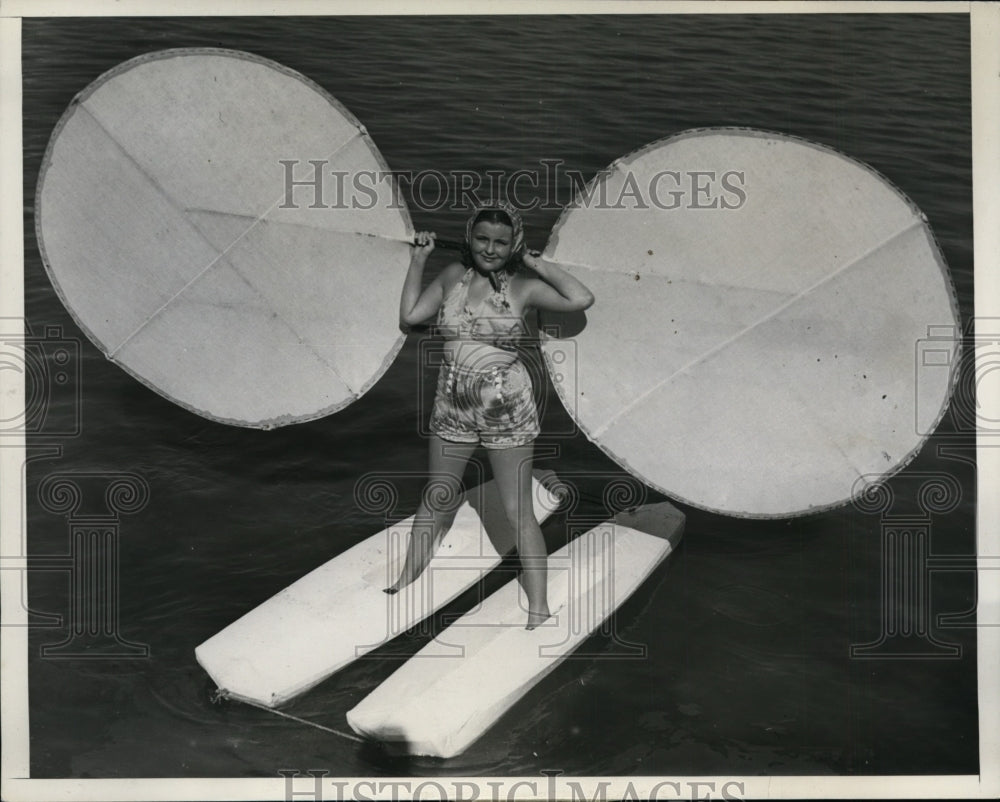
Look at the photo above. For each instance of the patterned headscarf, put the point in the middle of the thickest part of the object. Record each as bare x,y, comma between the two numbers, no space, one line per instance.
517,244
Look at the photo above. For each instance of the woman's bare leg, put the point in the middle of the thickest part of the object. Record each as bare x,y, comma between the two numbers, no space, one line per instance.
512,473
438,503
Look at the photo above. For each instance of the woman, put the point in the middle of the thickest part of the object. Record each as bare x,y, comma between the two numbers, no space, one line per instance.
484,393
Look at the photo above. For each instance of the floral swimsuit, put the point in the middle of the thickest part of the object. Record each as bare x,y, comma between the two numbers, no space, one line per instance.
486,401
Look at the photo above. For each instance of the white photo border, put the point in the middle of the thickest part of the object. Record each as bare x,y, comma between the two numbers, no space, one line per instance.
984,21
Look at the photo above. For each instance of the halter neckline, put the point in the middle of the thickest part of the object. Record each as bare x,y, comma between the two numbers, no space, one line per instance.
498,297
491,320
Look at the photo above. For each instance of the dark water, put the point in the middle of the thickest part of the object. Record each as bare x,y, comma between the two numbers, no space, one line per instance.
748,630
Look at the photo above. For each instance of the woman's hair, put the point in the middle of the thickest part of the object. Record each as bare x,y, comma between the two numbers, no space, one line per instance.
504,214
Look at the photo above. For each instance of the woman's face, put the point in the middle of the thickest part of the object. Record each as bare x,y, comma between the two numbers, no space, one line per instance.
491,245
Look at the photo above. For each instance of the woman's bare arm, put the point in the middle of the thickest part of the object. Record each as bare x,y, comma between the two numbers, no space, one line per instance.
416,306
558,291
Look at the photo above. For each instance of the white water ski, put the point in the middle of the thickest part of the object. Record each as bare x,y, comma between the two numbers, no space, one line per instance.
338,612
484,662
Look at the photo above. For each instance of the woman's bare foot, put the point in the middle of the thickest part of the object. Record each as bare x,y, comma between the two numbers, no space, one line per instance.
537,618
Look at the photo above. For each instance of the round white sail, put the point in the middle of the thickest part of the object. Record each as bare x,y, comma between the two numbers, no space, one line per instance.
762,304
199,216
